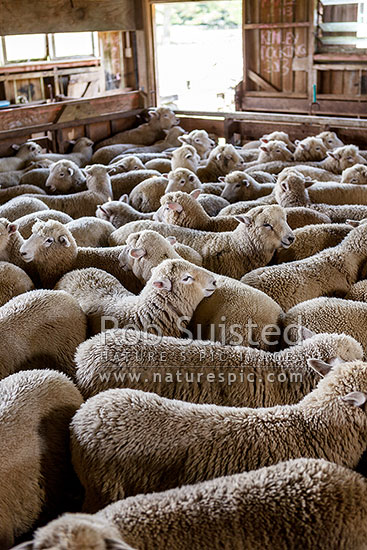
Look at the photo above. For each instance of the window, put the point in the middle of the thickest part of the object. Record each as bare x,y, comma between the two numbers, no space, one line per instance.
46,47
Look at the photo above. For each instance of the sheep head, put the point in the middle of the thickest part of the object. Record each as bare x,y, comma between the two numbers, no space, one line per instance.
64,176
356,174
185,156
345,157
178,208
267,224
311,148
50,242
226,159
200,140
7,229
126,164
27,151
274,150
182,179
166,117
239,186
291,191
330,140
279,136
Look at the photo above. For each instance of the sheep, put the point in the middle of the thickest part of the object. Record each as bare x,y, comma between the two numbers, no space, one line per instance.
119,213
81,154
37,479
356,174
184,210
221,161
212,204
146,134
189,442
10,244
341,158
24,153
239,372
13,281
314,172
125,183
128,163
274,150
200,140
25,223
330,139
358,292
12,192
161,165
65,177
274,136
231,253
147,249
292,192
13,177
263,177
21,206
182,179
310,148
258,510
42,327
322,315
172,139
240,186
290,284
84,203
37,178
52,250
311,239
90,231
145,197
187,157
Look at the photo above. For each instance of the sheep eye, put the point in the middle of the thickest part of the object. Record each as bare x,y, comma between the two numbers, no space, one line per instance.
237,186
49,241
277,151
349,158
187,279
317,148
61,174
268,225
197,140
182,182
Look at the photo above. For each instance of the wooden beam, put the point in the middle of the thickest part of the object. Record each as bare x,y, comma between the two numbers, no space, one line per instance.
348,57
255,26
338,2
43,16
260,81
346,26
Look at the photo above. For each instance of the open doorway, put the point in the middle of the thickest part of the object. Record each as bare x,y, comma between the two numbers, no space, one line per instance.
198,49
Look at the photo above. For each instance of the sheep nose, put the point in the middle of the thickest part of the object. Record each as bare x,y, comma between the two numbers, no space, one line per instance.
291,238
23,253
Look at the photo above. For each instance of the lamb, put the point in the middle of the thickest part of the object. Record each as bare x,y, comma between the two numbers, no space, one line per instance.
65,177
290,284
154,248
240,186
238,372
314,172
40,329
222,317
310,148
37,178
207,441
258,510
200,140
172,139
329,315
37,479
231,253
187,157
90,231
221,161
13,177
21,206
212,204
10,244
24,153
161,165
81,154
25,223
184,180
128,163
274,136
356,174
83,203
330,139
184,210
125,183
358,292
145,197
13,281
119,213
311,239
12,192
274,150
146,134
52,250
341,158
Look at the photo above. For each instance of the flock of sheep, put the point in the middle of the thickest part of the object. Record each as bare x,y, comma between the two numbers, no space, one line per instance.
183,340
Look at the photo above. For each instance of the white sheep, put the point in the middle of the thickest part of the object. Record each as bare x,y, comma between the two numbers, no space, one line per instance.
189,442
310,148
12,192
221,161
90,231
24,153
356,174
21,206
172,139
36,474
200,140
13,177
81,153
254,241
212,204
126,163
120,212
240,186
330,139
145,197
65,176
13,281
273,136
187,157
124,183
162,165
25,223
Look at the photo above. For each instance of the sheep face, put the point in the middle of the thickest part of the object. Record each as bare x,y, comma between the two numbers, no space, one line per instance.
184,280
311,148
356,174
226,158
178,206
166,117
291,191
330,140
145,250
274,150
28,151
182,179
185,157
200,140
269,225
82,145
64,176
127,164
238,187
6,229
279,136
345,157
48,239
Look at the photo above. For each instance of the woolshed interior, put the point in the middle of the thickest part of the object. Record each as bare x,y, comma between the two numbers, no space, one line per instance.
183,275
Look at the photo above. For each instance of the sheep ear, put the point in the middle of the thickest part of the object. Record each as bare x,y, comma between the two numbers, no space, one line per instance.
188,155
319,366
111,170
72,141
165,176
124,198
175,207
305,333
222,179
262,148
246,183
355,398
243,219
183,139
264,140
137,253
70,171
332,155
353,223
285,186
12,227
164,284
172,240
63,239
114,544
153,114
219,156
195,193
15,146
24,546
